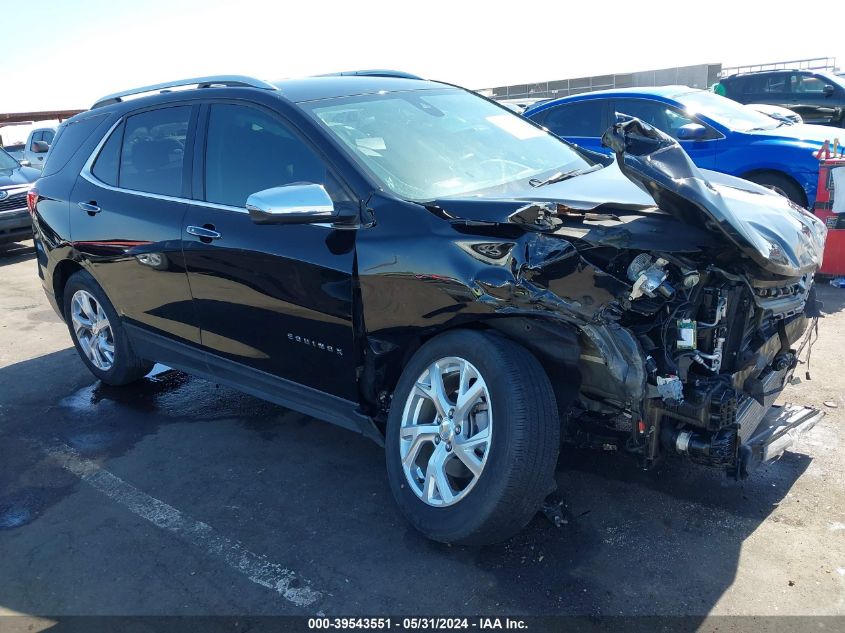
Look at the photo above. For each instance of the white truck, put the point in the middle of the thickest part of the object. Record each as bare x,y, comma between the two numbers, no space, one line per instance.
37,145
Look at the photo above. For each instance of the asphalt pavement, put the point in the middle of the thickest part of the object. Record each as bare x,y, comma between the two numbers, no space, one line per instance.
177,496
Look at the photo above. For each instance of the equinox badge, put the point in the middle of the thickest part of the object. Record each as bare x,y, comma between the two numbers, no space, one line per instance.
316,344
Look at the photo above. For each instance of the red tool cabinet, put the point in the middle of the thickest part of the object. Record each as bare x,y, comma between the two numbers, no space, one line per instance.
834,249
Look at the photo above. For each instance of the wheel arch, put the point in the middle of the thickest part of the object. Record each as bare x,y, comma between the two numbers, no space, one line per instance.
61,273
750,174
554,343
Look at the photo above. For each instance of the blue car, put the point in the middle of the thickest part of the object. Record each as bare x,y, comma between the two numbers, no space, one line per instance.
717,133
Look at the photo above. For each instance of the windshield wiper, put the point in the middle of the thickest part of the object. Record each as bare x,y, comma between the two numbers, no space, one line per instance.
564,175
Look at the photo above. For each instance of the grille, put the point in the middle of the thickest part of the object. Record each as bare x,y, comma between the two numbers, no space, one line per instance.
15,201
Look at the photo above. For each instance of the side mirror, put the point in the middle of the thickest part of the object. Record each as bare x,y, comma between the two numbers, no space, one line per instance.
24,163
691,132
299,203
828,90
39,147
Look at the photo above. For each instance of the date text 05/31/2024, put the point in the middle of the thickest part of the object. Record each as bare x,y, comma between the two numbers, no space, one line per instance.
418,623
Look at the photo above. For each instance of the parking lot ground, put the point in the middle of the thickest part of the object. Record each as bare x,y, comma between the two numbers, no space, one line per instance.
178,497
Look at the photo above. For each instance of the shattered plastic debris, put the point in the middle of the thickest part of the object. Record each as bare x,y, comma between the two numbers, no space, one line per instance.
831,404
838,282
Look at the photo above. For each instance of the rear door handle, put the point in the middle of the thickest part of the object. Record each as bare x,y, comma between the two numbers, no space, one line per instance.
90,207
204,233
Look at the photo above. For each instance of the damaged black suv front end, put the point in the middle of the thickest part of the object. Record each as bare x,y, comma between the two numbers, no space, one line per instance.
690,306
721,330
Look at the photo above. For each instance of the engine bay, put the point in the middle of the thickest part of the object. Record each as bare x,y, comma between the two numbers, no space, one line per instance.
717,346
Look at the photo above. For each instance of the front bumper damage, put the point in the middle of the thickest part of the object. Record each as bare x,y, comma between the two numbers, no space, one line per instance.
685,300
777,431
780,429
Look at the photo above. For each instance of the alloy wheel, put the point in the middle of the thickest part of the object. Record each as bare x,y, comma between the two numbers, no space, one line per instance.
447,426
93,330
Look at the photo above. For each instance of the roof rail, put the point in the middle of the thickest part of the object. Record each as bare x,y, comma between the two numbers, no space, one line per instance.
199,82
376,72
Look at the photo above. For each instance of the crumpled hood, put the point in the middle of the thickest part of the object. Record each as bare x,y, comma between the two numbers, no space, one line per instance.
776,234
605,187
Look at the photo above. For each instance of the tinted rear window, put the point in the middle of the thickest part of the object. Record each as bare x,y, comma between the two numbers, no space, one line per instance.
69,138
583,118
153,151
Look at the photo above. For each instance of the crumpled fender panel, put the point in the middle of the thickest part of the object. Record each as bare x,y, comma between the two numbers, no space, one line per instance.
611,364
544,274
776,234
472,274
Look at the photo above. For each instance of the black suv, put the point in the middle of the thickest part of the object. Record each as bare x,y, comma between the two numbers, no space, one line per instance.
412,261
818,97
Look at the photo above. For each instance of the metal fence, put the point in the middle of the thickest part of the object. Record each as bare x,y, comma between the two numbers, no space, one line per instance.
811,63
698,76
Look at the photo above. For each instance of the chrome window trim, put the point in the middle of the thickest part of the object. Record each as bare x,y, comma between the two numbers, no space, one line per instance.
88,175
157,196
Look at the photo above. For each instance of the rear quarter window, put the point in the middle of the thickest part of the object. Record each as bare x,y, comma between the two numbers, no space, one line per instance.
106,166
70,136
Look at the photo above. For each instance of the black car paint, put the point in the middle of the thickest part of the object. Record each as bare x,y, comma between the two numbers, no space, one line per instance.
261,307
279,295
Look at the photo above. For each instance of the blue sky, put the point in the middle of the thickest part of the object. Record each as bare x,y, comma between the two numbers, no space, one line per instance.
65,54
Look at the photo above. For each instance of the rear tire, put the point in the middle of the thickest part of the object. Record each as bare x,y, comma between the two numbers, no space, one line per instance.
784,185
497,451
98,334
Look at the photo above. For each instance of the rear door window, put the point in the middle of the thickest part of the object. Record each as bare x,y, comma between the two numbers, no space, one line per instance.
775,84
153,151
583,118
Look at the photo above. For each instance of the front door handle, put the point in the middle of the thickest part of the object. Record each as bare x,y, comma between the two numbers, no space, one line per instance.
205,233
90,207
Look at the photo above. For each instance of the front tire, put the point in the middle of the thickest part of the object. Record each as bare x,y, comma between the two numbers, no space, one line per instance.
472,438
98,334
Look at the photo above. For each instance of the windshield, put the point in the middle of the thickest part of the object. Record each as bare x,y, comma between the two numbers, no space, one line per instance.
6,161
425,145
731,114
